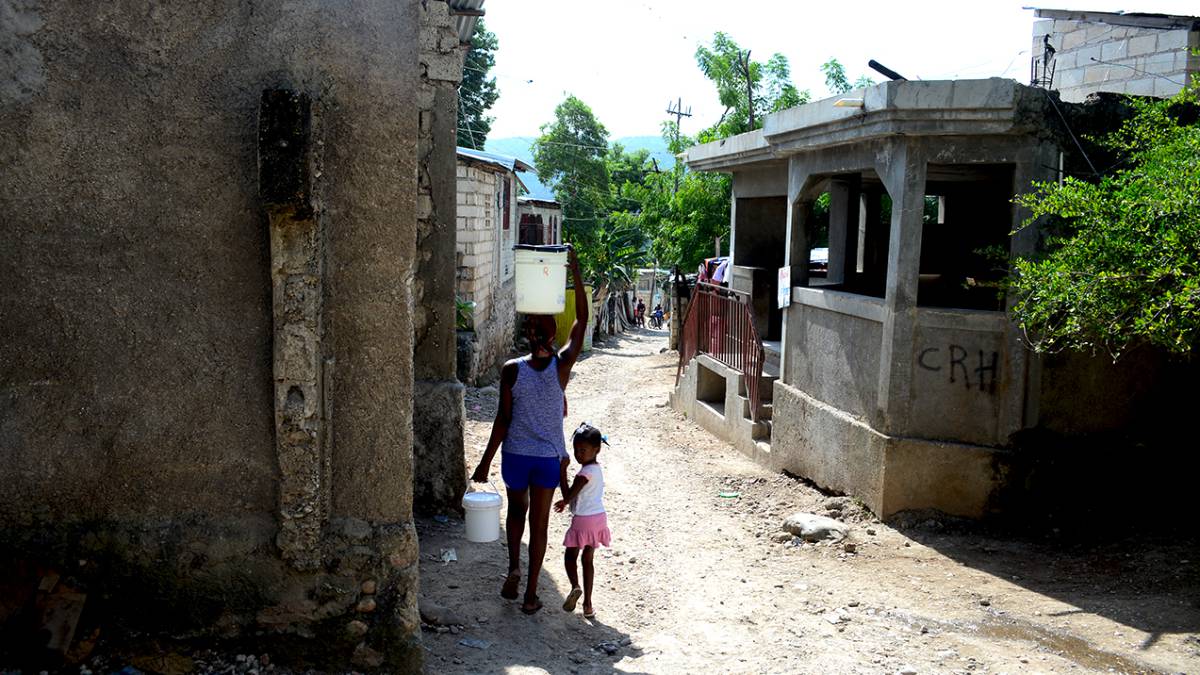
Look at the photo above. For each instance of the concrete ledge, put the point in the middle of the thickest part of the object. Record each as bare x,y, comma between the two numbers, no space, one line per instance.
724,419
977,320
888,473
853,304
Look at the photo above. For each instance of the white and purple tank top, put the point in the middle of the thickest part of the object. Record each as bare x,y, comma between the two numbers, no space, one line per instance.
536,429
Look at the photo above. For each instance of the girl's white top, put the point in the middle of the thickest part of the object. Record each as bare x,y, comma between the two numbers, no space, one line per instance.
590,499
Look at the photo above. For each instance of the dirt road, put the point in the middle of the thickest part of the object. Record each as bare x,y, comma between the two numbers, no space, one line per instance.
697,582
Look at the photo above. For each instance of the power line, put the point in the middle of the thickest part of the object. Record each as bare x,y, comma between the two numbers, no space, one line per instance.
1137,70
679,115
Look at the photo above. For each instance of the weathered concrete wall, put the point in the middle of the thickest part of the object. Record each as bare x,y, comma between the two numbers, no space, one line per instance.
961,377
834,358
438,410
890,474
485,273
826,445
1094,56
136,378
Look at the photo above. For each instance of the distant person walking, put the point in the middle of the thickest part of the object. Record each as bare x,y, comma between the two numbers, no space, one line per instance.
529,425
641,314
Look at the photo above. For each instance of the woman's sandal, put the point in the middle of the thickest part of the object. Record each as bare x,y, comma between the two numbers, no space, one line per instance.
531,610
572,598
509,590
589,613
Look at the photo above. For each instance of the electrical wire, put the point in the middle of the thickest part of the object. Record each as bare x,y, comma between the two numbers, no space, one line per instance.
1137,70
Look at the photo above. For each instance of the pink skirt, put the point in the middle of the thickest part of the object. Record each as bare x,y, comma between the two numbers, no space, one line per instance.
588,531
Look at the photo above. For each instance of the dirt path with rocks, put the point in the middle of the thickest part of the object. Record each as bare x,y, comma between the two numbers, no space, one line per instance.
700,582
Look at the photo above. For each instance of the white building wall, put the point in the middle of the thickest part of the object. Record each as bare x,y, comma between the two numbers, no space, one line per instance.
485,269
1094,56
551,229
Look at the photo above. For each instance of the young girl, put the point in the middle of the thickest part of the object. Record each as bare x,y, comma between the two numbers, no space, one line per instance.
529,432
589,523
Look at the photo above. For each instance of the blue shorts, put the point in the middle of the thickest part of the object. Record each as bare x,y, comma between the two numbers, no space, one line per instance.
521,471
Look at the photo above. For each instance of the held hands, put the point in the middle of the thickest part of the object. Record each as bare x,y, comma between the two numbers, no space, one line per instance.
560,505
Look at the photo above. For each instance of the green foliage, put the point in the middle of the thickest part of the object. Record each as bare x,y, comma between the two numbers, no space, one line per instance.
1120,264
681,211
725,64
836,80
835,77
477,92
464,310
573,154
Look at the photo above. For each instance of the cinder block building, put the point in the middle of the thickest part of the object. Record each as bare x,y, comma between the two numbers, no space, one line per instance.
488,210
1124,53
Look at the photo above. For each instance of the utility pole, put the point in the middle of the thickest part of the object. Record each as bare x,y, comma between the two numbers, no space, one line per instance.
749,87
679,115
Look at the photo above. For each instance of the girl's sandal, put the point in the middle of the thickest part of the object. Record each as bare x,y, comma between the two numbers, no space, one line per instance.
532,609
509,590
589,613
572,598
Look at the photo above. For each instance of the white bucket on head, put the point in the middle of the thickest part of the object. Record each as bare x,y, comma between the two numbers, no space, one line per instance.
541,279
483,516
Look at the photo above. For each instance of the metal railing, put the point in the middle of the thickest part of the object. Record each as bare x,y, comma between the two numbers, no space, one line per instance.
720,323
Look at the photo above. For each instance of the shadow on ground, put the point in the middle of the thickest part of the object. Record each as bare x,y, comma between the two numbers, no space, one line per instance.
1147,582
552,640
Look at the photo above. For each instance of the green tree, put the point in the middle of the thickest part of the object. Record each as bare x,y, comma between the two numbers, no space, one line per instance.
836,80
570,155
477,92
1121,261
681,211
728,67
574,156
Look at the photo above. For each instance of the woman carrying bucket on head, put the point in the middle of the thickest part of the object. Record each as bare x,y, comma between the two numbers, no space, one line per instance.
529,424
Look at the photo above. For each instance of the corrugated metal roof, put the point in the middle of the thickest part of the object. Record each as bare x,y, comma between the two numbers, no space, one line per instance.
467,14
511,163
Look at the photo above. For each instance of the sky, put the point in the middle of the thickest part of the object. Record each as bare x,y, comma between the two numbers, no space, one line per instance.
628,58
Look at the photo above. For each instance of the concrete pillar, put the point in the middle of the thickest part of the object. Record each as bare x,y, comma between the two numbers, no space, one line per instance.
902,168
1020,408
843,230
796,254
874,235
439,472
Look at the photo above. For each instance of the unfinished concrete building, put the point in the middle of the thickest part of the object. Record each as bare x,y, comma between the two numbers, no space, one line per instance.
208,280
901,379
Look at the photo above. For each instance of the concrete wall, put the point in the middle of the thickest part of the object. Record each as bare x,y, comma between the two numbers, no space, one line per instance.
485,272
833,356
438,410
142,427
1137,60
961,377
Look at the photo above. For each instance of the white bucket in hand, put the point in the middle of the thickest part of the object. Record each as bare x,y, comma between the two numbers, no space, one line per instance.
541,279
483,516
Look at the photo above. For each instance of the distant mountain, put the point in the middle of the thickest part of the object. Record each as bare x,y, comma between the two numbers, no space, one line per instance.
521,148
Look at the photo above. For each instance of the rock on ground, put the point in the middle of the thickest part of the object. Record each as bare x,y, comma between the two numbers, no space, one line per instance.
811,527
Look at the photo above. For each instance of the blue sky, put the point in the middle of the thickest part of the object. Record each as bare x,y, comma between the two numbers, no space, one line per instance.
628,58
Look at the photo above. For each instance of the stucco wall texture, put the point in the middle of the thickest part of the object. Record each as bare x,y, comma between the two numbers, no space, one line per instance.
135,348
